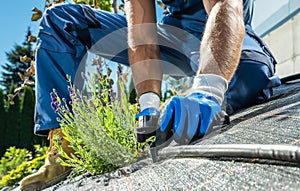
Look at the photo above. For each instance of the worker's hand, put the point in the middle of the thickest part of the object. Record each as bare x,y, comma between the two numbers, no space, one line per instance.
190,116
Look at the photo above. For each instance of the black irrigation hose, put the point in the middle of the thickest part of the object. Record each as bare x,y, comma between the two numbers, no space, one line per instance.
287,153
290,78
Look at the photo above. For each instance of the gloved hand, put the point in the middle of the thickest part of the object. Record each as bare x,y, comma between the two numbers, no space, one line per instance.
147,124
190,116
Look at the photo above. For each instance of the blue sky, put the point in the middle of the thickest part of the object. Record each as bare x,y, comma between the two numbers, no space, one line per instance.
15,18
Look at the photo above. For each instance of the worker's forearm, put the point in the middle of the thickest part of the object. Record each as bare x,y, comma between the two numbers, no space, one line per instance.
222,40
143,49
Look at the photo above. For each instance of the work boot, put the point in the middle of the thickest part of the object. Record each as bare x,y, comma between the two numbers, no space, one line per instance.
52,171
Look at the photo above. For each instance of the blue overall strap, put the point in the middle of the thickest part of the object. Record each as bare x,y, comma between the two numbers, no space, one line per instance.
195,8
248,11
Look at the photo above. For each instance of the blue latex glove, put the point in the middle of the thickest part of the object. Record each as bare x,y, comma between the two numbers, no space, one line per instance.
148,112
189,116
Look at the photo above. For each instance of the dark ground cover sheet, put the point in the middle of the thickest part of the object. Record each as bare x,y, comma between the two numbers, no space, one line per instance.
276,122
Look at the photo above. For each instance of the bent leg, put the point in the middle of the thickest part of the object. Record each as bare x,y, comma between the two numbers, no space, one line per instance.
51,70
255,76
64,39
251,84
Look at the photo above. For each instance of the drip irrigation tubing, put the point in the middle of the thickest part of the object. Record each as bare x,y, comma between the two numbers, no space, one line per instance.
287,153
290,78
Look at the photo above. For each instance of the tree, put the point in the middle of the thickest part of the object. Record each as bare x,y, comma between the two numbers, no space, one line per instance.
18,121
27,138
15,66
11,133
26,119
2,109
102,4
2,122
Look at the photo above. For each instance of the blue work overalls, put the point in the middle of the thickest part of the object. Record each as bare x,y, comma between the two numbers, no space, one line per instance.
68,31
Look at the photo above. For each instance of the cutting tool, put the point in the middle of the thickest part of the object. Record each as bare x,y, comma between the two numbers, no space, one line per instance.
148,126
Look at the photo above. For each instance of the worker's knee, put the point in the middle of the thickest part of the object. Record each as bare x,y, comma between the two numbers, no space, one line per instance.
61,15
61,9
251,84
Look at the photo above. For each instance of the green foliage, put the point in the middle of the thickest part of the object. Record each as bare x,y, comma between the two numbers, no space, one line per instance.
11,70
17,119
12,133
26,116
27,138
18,163
2,104
2,117
12,158
133,96
105,5
23,170
100,128
102,4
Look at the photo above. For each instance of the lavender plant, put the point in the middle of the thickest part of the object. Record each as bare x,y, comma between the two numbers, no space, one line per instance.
98,124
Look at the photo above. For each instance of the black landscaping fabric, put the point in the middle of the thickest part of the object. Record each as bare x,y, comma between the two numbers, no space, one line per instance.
275,122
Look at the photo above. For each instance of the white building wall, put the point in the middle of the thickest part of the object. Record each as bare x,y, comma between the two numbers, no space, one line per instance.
284,42
283,32
264,9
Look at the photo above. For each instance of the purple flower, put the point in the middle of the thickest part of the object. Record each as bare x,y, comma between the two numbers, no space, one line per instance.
71,91
54,101
53,106
99,62
53,97
119,72
56,106
112,95
99,66
99,69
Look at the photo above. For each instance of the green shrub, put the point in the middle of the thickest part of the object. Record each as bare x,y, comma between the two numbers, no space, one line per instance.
100,127
24,169
12,158
18,163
